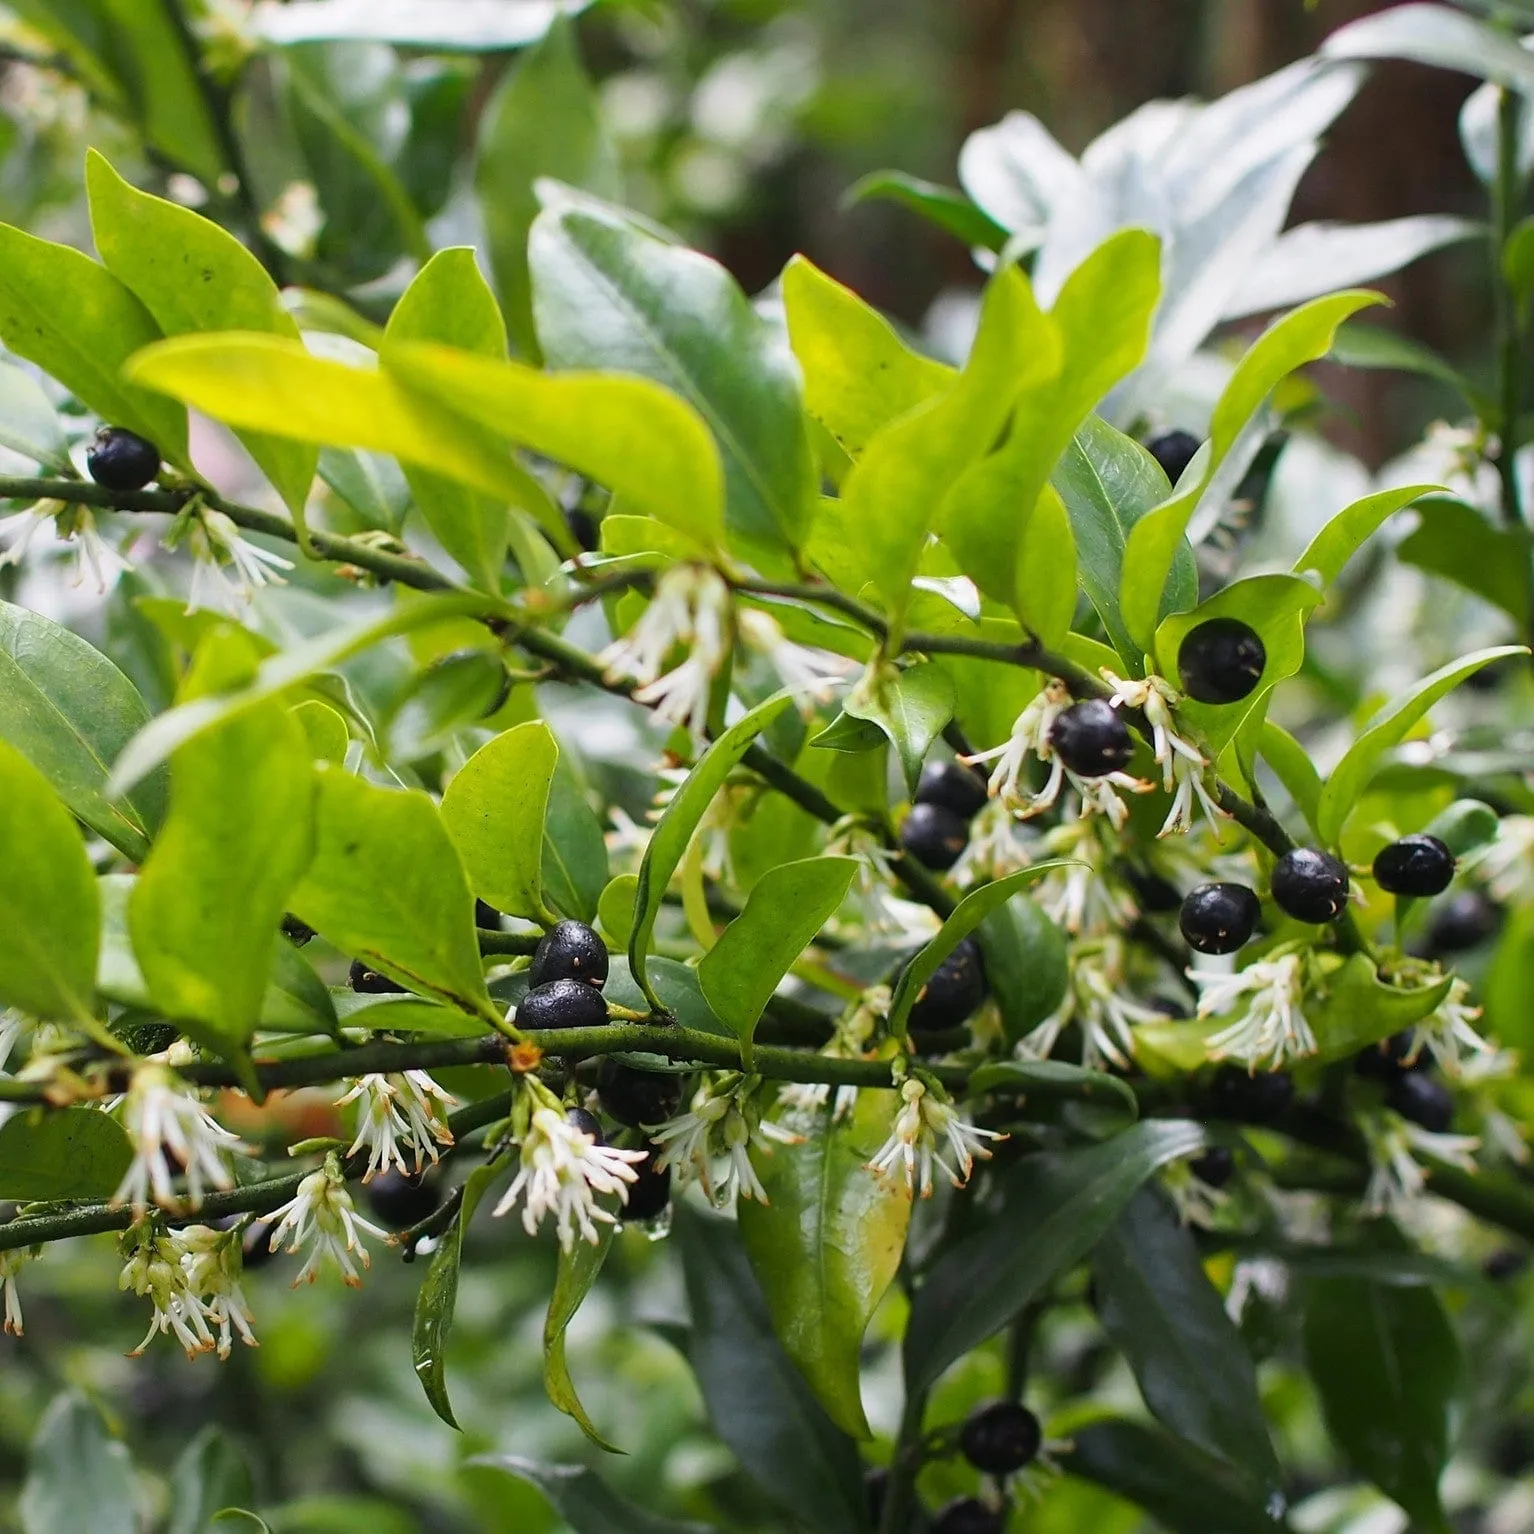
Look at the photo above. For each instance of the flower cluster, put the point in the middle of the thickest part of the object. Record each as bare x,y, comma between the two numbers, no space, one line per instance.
227,568
1183,766
398,1115
160,1114
95,558
926,1125
1268,1028
1101,1004
192,1278
1397,1180
321,1215
712,1141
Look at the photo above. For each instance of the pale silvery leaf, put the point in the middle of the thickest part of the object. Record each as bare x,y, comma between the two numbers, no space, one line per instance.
1017,173
1433,34
1478,131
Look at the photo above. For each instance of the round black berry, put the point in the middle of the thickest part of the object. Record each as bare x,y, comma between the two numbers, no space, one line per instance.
1215,1167
121,459
371,983
876,1487
1504,1264
1464,921
1249,1098
584,528
636,1097
1221,661
650,1191
1310,886
562,1004
954,786
1153,893
1219,918
956,988
486,916
969,1515
1091,739
1001,1437
1423,1099
934,836
1391,1057
1173,450
585,1121
1414,865
295,931
400,1201
570,951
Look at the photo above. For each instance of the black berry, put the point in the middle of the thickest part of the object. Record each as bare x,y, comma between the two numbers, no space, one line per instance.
486,916
585,1121
1221,661
650,1191
1153,893
1219,918
954,786
400,1201
1310,886
636,1097
584,528
1423,1099
1414,865
562,1004
371,983
1464,921
1251,1099
956,988
934,836
121,459
1215,1167
1504,1264
969,1515
876,1487
1389,1058
1001,1437
295,931
1173,450
1091,739
570,951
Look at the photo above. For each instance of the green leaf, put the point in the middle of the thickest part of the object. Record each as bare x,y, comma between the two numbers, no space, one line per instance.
62,1153
787,907
387,886
1157,1304
1457,543
438,704
1351,776
1304,335
1044,1080
29,424
79,324
1294,768
1026,965
209,1475
470,25
608,295
238,1520
49,909
615,909
576,1273
663,854
205,910
965,918
77,1476
324,729
1440,37
910,706
67,709
944,206
1358,1008
1053,1209
826,1245
194,277
494,809
575,866
757,1400
438,1298
1373,346
403,1014
858,374
1351,528
543,120
1464,826
583,1499
1387,1365
371,484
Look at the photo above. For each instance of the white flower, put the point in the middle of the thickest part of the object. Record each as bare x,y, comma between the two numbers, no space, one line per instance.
1155,698
321,1212
11,1263
94,556
721,1125
293,223
160,1114
1190,780
211,1260
19,528
996,847
155,1271
216,541
14,1027
805,1099
1507,865
810,675
924,1126
1197,1202
1447,1032
1266,1278
397,1114
1099,1002
872,886
1272,1028
563,1171
1396,1180
1081,897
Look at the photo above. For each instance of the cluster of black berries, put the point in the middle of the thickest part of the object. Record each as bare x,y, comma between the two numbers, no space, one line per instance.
1402,1067
948,797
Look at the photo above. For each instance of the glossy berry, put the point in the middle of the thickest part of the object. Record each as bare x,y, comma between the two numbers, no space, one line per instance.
1388,1059
486,916
1219,918
371,983
1414,865
570,951
1310,886
585,1121
1153,893
1422,1099
956,988
1091,739
1215,1167
399,1201
934,836
121,459
584,528
1221,661
1173,450
969,1515
562,1004
1000,1438
295,931
650,1191
636,1097
954,786
1250,1099
1464,921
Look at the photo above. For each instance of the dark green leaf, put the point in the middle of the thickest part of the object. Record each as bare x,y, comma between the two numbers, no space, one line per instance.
77,1476
1456,542
1043,1080
574,852
584,1501
577,1272
55,1153
911,707
1026,964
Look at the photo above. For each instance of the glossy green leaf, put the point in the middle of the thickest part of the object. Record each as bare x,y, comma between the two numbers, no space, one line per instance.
62,1153
205,910
1350,777
1053,1209
606,294
615,909
584,1501
324,729
1440,37
78,1477
494,809
1026,965
438,1298
826,1245
1291,763
1352,527
387,886
575,868
663,854
1375,346
438,705
192,277
79,324
1457,543
49,909
373,485
1046,1080
1302,336
944,206
209,1476
785,909
403,1014
858,374
757,1400
1358,1008
910,706
471,25
67,709
29,424
576,1273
